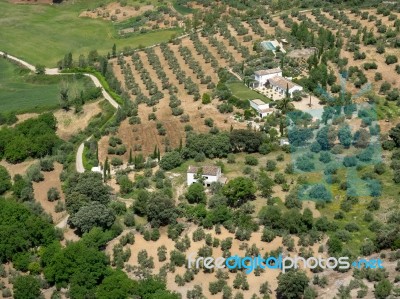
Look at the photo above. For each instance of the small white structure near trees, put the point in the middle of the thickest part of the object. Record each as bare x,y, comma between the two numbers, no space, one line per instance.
284,141
97,169
205,174
261,108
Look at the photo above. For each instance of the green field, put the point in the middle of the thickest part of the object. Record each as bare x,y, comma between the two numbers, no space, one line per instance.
45,33
242,92
22,91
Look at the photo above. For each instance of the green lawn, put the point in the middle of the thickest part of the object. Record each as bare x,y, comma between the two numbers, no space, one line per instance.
22,91
45,33
242,92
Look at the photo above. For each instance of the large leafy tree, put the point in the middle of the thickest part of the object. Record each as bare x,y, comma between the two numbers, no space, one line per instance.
326,137
196,193
239,190
299,136
265,184
17,149
26,287
285,105
116,285
22,188
21,230
344,135
245,140
394,133
171,160
271,216
291,284
328,113
34,137
212,145
5,180
383,289
93,214
362,138
153,288
77,265
161,209
90,185
334,245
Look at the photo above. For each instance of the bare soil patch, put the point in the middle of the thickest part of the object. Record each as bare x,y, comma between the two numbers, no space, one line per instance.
387,125
207,68
221,61
302,53
24,117
203,279
70,123
304,104
19,168
146,134
51,179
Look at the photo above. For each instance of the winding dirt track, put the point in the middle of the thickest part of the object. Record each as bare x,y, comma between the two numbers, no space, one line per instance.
54,71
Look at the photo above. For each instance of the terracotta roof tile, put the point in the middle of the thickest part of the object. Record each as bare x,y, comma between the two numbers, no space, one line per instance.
268,71
282,82
206,170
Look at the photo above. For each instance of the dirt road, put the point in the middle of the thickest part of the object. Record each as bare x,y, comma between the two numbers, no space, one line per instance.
54,71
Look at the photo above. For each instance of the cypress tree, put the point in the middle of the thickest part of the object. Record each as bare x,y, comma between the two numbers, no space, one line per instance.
97,154
155,152
105,169
287,91
130,157
114,50
108,169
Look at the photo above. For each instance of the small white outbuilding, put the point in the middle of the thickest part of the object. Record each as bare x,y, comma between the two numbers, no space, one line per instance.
261,108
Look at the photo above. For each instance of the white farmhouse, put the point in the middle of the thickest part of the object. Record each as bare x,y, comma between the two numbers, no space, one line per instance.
262,76
209,174
261,108
281,84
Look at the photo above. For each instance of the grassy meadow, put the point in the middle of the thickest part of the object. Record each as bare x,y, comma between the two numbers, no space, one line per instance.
242,92
21,91
45,33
